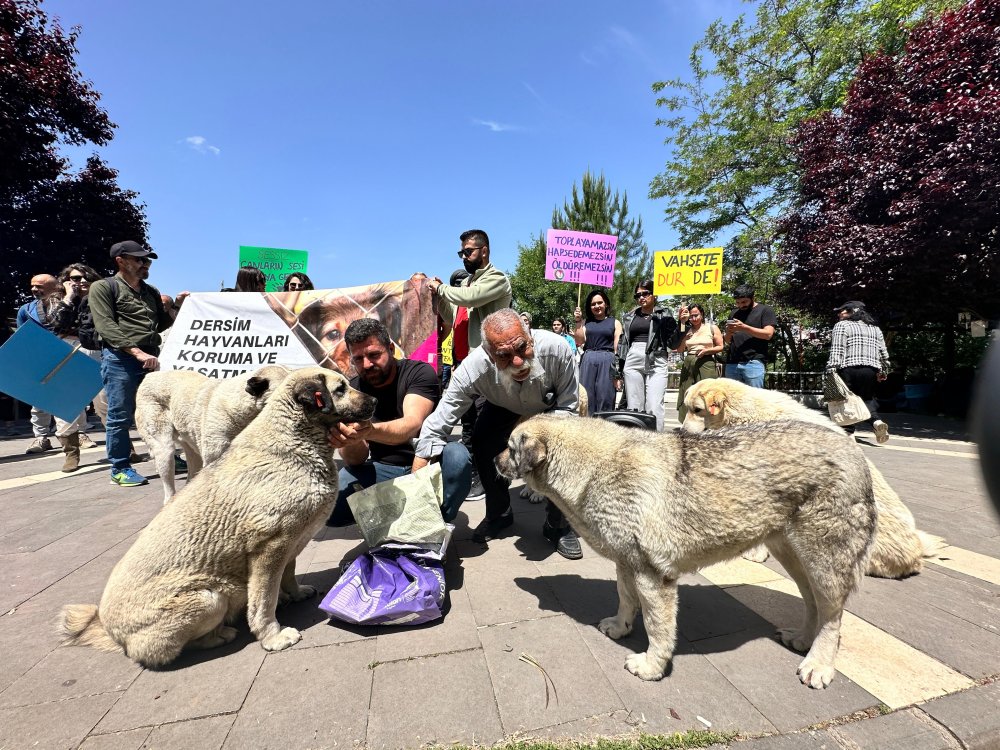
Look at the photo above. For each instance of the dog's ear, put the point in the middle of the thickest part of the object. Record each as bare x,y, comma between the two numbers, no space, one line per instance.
530,453
314,395
715,401
257,387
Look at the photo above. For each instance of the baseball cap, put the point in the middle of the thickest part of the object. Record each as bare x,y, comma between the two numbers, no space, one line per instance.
128,247
850,305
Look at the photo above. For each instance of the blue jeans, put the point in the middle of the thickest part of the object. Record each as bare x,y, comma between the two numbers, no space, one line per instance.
751,373
456,479
122,373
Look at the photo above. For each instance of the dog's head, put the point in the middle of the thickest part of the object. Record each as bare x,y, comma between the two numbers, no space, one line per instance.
326,397
526,450
262,383
706,404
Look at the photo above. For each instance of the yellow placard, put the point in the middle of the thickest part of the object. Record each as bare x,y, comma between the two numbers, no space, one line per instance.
696,271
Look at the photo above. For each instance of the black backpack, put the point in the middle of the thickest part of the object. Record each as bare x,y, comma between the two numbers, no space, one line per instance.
88,335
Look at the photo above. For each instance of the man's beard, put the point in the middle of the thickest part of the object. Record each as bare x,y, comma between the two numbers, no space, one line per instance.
376,376
471,265
506,377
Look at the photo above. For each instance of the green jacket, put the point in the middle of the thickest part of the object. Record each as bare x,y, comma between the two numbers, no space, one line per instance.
131,319
483,293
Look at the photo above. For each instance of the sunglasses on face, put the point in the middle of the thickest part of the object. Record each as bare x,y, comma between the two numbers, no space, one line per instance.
77,278
642,295
465,252
294,285
142,261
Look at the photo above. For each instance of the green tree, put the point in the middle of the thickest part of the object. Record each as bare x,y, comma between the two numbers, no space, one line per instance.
50,217
591,208
731,170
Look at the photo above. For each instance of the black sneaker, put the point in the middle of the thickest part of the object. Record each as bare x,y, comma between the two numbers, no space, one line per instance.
490,529
476,491
566,541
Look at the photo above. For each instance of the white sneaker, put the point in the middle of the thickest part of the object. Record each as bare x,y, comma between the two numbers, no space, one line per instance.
881,431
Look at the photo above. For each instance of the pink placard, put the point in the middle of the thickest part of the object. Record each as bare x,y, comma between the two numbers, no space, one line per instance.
580,257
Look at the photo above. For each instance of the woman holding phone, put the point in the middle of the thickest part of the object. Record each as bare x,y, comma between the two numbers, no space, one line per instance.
699,342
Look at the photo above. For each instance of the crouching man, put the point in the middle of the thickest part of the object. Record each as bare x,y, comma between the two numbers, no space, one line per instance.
407,392
520,373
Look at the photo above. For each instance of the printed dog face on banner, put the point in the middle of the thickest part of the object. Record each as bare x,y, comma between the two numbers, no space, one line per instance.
319,318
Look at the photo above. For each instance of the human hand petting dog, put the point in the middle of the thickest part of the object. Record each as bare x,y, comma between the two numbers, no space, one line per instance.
346,433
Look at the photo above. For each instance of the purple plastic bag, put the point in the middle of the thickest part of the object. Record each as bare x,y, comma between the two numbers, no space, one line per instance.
388,587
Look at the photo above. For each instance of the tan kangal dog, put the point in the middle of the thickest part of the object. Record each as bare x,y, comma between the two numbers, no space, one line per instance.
228,541
900,546
200,415
674,502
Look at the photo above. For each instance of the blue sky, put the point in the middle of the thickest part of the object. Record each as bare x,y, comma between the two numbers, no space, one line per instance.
372,134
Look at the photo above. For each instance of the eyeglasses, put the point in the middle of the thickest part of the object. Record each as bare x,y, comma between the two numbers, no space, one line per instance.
295,285
465,252
77,278
642,294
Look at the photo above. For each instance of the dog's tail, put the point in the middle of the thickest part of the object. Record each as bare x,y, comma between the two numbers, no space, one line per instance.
930,545
80,625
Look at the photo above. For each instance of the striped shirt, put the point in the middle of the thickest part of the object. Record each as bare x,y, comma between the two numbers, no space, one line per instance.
857,344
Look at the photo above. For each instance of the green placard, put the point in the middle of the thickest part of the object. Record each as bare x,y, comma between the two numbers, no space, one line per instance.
275,262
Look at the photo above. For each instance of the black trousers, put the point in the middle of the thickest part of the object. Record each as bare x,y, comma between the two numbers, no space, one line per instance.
862,380
489,439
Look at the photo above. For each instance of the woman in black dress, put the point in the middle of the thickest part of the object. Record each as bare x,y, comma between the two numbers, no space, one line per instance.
598,335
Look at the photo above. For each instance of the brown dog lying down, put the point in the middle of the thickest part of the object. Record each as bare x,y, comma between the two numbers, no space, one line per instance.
227,542
900,547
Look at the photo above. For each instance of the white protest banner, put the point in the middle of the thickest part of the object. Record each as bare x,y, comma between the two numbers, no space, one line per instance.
223,334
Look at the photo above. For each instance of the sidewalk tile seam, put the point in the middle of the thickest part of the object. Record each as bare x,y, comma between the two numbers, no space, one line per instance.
379,662
947,730
187,720
517,622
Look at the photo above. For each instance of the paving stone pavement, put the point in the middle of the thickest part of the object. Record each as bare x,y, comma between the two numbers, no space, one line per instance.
920,657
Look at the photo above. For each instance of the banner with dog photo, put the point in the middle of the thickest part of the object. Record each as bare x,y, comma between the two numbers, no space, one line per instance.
224,334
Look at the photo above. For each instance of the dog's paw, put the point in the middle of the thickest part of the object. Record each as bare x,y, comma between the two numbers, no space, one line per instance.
226,633
644,667
303,592
795,639
284,638
815,674
532,497
758,554
613,628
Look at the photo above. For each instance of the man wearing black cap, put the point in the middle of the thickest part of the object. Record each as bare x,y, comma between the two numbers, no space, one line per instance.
128,316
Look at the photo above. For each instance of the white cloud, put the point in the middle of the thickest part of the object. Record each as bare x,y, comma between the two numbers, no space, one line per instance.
202,146
496,127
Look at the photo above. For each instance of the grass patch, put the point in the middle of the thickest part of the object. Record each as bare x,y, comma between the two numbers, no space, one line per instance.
674,741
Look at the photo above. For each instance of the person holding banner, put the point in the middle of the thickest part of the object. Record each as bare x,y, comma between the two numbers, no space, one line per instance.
599,337
699,342
44,287
643,352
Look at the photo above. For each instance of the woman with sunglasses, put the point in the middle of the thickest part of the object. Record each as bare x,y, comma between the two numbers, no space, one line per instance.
64,313
699,342
643,352
599,338
297,282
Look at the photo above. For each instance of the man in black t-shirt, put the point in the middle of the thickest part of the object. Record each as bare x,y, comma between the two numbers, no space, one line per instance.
407,392
750,326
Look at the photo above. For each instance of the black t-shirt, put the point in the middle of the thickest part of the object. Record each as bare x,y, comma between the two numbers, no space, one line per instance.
638,329
745,347
413,377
